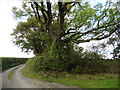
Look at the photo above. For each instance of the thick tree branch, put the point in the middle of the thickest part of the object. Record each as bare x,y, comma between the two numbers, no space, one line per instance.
61,17
37,13
49,12
61,13
34,10
43,12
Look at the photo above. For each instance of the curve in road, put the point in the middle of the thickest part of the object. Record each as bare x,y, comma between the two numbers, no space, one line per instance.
20,81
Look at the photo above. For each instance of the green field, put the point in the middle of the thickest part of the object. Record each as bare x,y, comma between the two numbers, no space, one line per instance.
82,81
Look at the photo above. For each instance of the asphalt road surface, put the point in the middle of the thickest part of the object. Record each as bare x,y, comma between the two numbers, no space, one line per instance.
20,81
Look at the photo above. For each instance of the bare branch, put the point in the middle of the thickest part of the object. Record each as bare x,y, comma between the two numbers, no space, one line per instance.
98,38
103,15
115,25
97,29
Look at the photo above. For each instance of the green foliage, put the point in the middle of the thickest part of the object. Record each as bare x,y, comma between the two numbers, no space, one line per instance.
23,11
82,16
95,67
72,62
30,36
8,63
45,63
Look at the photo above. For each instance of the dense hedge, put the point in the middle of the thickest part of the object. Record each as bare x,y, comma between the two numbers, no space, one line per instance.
79,66
96,66
9,62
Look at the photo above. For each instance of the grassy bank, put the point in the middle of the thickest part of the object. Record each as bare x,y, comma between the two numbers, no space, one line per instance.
9,62
82,81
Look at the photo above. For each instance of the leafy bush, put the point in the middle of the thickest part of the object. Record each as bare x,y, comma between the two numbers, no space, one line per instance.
91,63
43,63
71,61
74,64
96,66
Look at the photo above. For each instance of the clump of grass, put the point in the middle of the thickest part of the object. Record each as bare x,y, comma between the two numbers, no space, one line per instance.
10,74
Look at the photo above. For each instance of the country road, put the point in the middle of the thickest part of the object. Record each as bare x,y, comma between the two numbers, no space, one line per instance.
20,81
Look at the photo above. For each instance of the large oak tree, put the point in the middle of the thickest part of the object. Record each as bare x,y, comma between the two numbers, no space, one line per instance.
69,23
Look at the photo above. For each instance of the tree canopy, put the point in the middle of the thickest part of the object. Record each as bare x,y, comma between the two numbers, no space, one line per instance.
75,22
30,36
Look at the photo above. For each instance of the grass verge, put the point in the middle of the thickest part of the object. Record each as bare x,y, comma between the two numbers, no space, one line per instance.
10,74
82,81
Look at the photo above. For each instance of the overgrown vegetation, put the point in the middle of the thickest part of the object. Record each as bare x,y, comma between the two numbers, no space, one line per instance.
75,61
9,62
82,81
77,65
90,71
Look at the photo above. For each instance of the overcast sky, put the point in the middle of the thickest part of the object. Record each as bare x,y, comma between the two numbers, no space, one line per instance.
7,24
